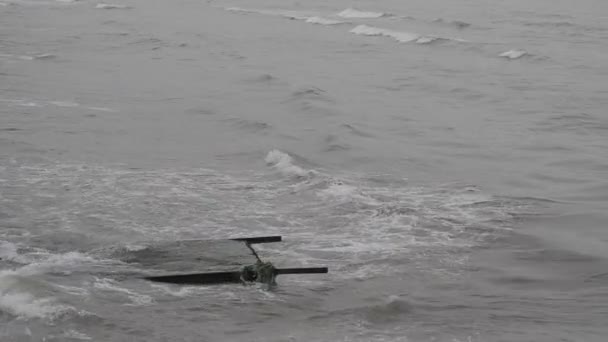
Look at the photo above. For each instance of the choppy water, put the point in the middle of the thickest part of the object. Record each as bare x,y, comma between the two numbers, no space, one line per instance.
447,160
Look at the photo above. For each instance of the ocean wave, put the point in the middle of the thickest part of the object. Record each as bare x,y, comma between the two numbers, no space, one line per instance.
311,19
324,21
284,163
400,36
41,56
247,125
111,6
110,285
454,23
19,300
276,12
8,251
310,93
353,13
514,54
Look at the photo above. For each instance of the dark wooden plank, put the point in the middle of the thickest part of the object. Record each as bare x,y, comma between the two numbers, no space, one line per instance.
199,278
260,239
302,270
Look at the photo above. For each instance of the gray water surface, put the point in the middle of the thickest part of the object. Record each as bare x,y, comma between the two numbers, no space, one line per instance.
448,161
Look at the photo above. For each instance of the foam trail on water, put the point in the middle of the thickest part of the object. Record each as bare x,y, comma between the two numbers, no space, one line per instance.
353,13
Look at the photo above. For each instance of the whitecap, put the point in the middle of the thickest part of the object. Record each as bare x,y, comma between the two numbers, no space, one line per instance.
323,21
18,302
427,40
77,335
102,109
136,298
65,104
353,13
8,251
284,163
399,36
275,12
111,6
514,54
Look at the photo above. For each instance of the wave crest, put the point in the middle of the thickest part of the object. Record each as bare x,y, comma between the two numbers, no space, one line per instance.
514,54
284,163
353,13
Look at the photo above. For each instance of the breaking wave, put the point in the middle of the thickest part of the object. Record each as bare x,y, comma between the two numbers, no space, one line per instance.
514,54
22,296
284,163
353,13
111,6
324,21
293,15
400,36
454,23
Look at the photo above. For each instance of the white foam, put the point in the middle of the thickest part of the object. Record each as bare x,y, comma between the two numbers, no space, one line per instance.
323,21
41,261
346,193
67,104
136,298
181,291
16,301
284,163
102,109
399,36
23,103
111,6
513,54
77,335
276,12
357,14
311,19
426,40
239,9
8,251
